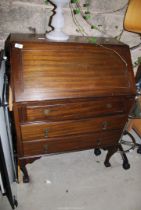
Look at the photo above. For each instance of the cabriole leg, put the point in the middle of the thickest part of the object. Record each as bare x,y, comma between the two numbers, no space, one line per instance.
24,170
111,151
139,150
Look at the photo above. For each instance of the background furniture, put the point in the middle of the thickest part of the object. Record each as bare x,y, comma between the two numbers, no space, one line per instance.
132,22
68,96
8,175
132,18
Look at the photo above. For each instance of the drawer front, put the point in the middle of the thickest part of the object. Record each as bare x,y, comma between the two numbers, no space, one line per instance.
70,111
36,131
79,142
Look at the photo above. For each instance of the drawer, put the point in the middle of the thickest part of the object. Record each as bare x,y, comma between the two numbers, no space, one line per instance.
36,131
76,110
78,142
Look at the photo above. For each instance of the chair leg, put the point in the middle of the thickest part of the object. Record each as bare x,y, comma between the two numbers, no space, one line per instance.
97,151
126,164
25,173
139,149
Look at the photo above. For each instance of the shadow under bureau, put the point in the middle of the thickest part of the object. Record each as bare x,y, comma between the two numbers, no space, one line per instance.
68,96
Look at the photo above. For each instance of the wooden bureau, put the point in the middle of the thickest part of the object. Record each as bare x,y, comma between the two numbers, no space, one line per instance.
68,96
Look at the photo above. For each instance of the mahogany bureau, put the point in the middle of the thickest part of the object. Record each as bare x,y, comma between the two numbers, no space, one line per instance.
68,96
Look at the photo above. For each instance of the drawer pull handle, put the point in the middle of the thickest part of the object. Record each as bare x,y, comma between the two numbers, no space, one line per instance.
46,133
109,106
46,112
98,142
104,125
45,148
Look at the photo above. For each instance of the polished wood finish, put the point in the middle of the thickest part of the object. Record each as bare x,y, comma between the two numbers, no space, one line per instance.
52,71
35,131
71,143
75,110
69,109
70,95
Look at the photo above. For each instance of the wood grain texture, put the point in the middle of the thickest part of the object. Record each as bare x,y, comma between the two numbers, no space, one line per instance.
52,70
35,131
70,95
70,143
75,110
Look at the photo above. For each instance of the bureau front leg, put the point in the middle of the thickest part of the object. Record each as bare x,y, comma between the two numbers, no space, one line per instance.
111,151
24,170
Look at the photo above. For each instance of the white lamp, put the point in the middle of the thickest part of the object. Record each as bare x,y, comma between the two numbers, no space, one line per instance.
58,22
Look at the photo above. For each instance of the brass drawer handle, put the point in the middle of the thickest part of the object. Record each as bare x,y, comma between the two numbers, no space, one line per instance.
109,106
45,148
98,142
104,125
46,112
46,133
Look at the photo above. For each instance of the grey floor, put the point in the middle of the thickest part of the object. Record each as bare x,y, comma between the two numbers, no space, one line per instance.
79,181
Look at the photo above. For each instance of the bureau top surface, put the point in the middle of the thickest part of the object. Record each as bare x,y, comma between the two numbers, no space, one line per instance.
46,70
40,38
